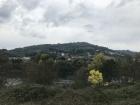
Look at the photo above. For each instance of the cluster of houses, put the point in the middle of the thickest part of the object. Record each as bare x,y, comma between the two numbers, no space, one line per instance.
24,59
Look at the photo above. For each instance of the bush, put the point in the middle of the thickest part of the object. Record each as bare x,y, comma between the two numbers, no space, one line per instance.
2,82
87,96
42,73
80,79
41,95
30,93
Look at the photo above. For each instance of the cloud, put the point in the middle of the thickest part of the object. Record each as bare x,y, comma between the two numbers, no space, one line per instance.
111,23
121,3
6,10
29,4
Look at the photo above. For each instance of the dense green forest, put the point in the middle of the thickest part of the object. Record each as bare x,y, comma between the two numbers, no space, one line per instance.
59,75
79,48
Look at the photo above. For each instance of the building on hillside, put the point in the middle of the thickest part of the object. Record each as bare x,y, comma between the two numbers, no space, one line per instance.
24,59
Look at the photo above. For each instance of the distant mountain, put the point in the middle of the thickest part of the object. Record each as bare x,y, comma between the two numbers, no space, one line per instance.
78,48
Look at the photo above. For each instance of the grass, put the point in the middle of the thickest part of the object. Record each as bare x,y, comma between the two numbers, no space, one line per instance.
42,95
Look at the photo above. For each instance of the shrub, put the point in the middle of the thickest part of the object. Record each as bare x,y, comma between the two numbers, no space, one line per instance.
30,93
2,82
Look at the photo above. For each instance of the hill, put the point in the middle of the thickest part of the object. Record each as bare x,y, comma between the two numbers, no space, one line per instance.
78,48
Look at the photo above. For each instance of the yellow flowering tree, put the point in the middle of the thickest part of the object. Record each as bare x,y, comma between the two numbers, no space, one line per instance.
95,77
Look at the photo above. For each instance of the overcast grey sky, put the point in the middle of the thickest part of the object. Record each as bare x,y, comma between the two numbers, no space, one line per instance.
110,23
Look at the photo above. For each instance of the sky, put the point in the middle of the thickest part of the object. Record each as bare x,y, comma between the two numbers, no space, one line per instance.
110,23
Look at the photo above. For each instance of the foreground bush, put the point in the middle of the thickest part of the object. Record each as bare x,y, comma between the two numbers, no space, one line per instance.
28,93
41,95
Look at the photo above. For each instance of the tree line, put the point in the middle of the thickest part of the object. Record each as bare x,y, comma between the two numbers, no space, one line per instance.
44,68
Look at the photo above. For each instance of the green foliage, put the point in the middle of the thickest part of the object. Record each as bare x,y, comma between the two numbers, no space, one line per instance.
136,67
64,69
45,68
2,82
79,48
97,62
40,95
79,97
42,73
105,64
3,56
110,70
43,58
28,93
81,78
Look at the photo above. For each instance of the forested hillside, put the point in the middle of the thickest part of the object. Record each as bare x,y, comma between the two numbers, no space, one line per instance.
79,48
69,74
